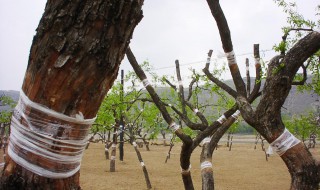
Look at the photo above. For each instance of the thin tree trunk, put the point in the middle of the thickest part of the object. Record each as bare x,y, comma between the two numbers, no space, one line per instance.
74,59
144,168
106,150
114,148
171,145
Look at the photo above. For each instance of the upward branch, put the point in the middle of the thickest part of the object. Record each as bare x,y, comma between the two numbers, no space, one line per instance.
142,76
181,89
225,37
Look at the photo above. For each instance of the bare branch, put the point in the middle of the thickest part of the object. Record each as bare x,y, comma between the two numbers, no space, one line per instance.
257,83
140,73
225,37
215,80
181,89
248,77
304,74
190,88
170,84
301,51
284,37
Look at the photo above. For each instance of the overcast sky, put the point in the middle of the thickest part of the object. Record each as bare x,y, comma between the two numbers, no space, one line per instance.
170,30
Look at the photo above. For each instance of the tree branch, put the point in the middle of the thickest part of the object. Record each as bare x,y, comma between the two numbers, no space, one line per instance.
140,73
257,83
215,80
225,37
304,74
181,89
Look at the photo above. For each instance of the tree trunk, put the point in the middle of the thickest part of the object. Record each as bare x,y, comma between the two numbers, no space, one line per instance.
144,168
206,170
114,147
74,59
303,168
186,151
304,171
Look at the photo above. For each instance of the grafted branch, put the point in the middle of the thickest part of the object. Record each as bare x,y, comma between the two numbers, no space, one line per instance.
215,80
140,73
225,37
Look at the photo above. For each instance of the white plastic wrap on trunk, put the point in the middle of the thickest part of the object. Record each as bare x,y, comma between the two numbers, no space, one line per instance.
231,57
46,142
284,142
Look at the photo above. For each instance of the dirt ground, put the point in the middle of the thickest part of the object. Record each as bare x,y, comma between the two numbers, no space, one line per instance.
242,168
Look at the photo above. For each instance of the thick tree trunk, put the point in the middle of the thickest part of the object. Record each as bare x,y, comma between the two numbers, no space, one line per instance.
74,59
303,168
304,171
185,155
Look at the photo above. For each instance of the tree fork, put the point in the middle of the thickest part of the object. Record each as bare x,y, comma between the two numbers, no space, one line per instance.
73,62
303,168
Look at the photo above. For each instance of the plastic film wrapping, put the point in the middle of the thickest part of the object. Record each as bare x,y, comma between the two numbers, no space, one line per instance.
284,142
46,142
231,57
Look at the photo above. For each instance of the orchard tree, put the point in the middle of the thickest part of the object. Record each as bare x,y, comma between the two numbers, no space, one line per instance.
194,115
266,117
5,115
303,126
74,60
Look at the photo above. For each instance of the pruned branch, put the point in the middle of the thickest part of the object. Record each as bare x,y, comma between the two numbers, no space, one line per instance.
225,37
257,83
184,103
215,80
248,77
140,73
181,89
190,88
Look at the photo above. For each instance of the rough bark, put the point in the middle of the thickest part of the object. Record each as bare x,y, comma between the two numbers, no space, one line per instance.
303,168
74,59
266,119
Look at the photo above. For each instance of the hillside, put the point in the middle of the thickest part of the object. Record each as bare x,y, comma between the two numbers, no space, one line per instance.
296,103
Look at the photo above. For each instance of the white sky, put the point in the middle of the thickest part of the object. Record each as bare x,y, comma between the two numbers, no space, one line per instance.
170,30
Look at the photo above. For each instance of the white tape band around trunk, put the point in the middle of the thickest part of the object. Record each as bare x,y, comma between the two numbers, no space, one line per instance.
205,164
145,82
231,57
284,142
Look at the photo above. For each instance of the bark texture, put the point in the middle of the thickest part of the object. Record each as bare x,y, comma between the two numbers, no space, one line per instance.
73,62
303,168
266,119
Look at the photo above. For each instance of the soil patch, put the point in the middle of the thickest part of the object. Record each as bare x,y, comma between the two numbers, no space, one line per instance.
241,168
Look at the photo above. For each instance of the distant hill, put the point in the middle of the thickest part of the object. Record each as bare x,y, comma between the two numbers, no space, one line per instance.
296,103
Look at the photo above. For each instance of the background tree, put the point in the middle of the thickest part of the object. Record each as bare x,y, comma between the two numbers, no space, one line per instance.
73,62
5,115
